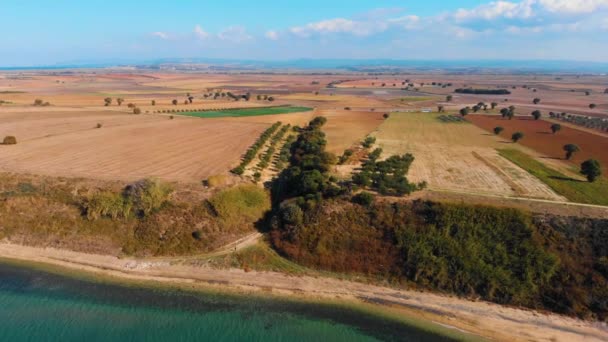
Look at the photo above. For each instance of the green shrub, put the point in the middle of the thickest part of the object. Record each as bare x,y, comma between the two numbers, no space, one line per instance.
368,142
364,198
243,202
292,215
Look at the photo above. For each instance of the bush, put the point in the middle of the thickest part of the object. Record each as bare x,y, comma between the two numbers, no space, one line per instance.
292,215
107,204
147,195
243,202
9,140
368,142
99,125
136,110
197,235
364,199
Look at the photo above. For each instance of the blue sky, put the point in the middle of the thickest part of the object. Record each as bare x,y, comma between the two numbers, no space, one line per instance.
49,32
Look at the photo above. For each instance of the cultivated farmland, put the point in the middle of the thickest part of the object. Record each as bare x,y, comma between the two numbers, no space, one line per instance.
126,147
456,157
539,137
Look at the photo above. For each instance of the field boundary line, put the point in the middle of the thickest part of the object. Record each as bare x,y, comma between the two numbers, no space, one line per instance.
572,204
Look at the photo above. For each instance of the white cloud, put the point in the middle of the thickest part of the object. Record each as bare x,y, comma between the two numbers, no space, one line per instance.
337,25
161,35
234,34
200,33
272,35
497,9
408,22
573,6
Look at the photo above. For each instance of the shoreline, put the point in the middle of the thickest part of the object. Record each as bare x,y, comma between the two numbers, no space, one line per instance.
474,318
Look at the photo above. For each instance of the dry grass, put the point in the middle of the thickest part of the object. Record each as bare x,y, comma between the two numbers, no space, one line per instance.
456,157
128,147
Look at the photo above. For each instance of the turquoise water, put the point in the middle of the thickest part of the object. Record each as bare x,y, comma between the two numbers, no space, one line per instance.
40,306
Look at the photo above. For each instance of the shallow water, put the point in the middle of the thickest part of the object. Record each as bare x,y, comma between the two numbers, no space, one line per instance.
39,306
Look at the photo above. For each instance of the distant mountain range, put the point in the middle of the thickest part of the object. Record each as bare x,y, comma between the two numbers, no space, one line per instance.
367,65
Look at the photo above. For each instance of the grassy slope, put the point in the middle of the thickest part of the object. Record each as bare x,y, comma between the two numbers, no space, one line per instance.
247,112
572,189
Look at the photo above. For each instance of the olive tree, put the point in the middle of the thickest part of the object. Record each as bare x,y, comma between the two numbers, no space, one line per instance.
591,169
570,150
517,136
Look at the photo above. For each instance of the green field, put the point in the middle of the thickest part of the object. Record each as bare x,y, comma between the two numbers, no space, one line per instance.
247,112
573,189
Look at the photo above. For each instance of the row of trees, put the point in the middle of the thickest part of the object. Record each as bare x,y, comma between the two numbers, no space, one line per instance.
482,91
599,123
255,148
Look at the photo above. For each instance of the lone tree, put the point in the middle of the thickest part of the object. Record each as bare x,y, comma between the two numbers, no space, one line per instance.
107,101
120,100
464,111
591,169
386,115
498,130
449,98
504,112
154,102
174,102
536,114
494,105
587,93
440,109
517,136
556,128
606,91
190,98
536,101
592,106
570,150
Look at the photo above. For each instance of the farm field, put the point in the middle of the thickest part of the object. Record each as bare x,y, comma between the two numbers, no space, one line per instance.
456,157
538,136
126,147
247,112
573,189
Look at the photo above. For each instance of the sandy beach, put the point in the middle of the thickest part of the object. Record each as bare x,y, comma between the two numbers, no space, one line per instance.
476,317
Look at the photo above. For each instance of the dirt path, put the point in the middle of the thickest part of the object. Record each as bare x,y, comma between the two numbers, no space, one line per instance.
493,321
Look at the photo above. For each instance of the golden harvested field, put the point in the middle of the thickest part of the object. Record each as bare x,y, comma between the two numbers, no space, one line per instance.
62,139
457,157
127,147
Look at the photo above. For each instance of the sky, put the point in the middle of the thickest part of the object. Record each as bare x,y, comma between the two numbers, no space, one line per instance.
68,31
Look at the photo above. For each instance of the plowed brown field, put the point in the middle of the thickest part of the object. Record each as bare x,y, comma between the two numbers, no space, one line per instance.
538,136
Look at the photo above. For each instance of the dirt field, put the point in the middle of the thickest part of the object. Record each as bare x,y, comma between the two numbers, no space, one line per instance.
456,157
538,136
127,147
